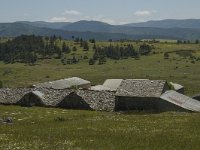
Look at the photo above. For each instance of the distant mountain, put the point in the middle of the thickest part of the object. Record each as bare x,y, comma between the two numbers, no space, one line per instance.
17,29
97,30
92,26
43,24
169,23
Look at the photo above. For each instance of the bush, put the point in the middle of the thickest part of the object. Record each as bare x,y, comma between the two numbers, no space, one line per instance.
85,57
91,61
59,119
166,55
145,49
171,87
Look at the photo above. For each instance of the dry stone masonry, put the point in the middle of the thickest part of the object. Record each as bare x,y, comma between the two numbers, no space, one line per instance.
115,94
98,100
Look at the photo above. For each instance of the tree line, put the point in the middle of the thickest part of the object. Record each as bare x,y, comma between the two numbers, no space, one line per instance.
118,52
28,48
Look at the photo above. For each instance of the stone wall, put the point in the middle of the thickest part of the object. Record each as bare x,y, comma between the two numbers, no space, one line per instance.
136,103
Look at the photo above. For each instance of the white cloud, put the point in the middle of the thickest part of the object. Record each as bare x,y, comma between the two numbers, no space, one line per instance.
144,13
73,16
72,12
109,21
66,16
101,19
59,19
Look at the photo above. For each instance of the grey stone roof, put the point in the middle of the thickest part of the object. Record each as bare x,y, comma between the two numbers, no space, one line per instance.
181,100
65,83
51,96
38,94
98,100
12,96
100,88
113,84
141,88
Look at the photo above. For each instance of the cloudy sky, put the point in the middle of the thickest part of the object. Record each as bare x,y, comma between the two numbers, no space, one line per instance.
110,11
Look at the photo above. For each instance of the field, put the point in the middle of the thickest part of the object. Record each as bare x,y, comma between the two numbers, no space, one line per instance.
176,68
50,129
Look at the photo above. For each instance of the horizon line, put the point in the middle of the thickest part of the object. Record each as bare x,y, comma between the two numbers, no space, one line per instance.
99,21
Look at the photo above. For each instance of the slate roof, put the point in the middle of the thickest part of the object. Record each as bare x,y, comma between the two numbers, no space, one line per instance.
181,100
65,83
38,94
113,84
141,88
98,100
100,88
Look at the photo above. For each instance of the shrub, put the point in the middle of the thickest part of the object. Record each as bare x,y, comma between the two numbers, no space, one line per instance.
91,61
166,55
171,87
85,57
59,119
145,49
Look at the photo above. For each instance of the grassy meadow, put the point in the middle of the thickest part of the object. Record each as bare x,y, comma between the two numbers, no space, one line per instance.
58,129
176,68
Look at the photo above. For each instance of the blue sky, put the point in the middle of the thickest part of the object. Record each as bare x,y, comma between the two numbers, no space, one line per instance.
110,11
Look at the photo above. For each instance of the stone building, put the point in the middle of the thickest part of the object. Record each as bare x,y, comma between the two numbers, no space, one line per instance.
140,94
10,96
175,101
33,98
74,101
116,94
89,100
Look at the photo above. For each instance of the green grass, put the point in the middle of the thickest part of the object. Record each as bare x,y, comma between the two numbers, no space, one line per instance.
50,129
176,68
